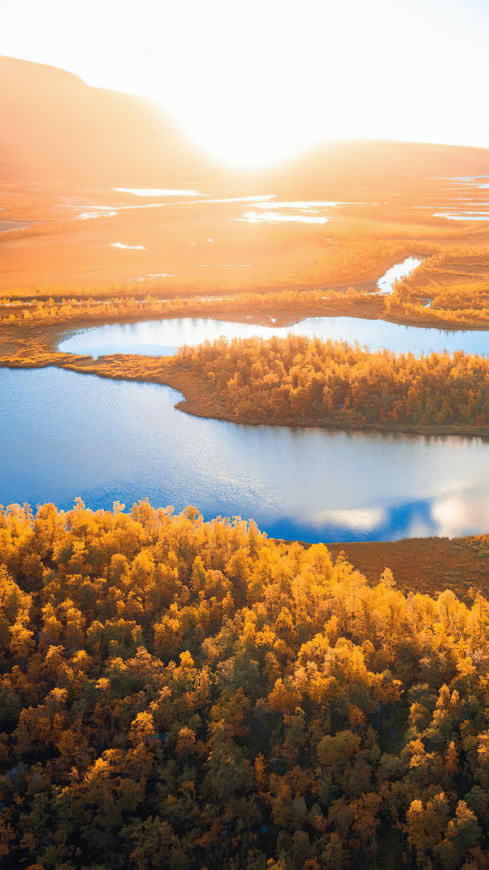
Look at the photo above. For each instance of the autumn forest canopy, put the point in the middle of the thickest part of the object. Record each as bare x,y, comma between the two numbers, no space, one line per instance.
302,380
176,693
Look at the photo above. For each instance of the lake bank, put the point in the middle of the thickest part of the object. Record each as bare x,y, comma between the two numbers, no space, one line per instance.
283,310
109,440
131,344
200,400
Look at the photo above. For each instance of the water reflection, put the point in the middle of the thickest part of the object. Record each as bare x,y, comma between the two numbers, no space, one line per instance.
396,273
68,434
469,180
307,212
128,247
273,217
164,337
90,215
156,191
464,216
307,205
258,197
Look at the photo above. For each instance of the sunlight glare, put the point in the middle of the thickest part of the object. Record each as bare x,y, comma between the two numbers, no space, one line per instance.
128,247
256,83
273,217
156,191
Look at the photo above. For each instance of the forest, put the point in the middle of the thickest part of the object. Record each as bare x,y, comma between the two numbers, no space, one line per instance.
182,693
307,380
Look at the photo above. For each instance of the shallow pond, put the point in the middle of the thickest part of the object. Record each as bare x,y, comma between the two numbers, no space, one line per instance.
64,434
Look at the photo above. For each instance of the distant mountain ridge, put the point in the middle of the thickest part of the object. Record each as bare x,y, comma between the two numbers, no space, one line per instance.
57,131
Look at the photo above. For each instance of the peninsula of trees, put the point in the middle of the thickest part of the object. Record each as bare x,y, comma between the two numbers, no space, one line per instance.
307,381
297,381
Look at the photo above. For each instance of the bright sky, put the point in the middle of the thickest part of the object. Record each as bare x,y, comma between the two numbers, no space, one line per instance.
254,81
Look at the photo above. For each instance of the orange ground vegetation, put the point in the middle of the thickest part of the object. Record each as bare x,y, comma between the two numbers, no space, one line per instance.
427,565
286,305
75,257
182,694
455,284
69,271
205,245
383,200
440,293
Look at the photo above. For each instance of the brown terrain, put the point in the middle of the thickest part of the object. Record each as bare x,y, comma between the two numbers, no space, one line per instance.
426,565
69,145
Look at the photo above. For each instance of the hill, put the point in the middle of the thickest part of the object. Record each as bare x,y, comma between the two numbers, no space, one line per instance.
365,169
58,131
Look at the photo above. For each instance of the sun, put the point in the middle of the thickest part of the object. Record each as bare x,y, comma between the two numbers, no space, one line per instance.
237,135
256,82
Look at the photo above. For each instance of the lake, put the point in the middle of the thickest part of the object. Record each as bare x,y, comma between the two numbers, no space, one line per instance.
164,337
64,434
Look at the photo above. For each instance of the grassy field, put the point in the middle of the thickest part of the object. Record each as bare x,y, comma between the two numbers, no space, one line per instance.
427,565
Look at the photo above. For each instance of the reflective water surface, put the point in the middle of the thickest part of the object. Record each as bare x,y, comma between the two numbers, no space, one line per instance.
156,191
464,215
307,212
129,247
274,217
65,434
396,273
163,337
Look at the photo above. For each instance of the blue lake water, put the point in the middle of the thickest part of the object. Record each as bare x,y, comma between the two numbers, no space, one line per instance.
64,434
163,337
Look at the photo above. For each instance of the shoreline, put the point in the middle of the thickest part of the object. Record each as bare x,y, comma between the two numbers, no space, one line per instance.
201,403
36,346
283,317
414,561
199,400
369,307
